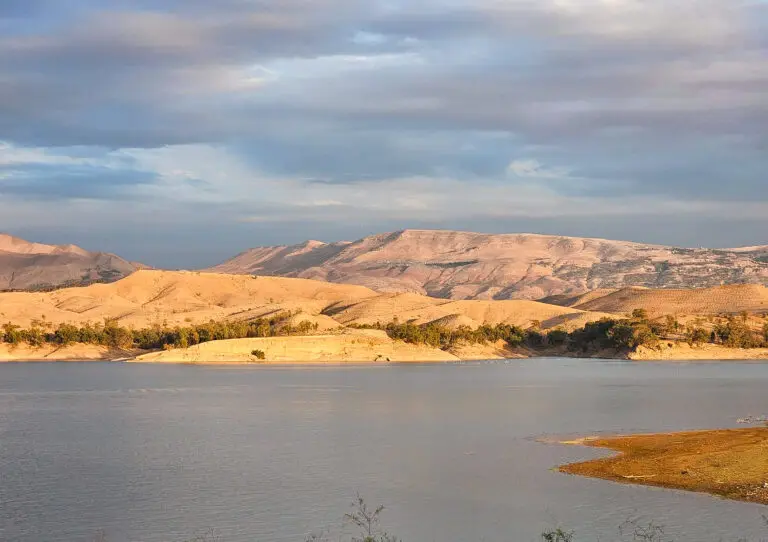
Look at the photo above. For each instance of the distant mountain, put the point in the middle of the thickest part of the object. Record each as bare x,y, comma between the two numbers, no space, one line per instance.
33,266
463,265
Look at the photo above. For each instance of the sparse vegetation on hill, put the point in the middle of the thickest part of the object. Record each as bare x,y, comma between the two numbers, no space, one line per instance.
602,336
622,335
443,337
160,337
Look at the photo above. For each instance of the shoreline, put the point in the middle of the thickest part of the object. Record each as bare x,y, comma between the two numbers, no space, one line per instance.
727,463
359,346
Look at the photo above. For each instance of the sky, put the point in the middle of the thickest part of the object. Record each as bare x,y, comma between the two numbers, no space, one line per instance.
180,132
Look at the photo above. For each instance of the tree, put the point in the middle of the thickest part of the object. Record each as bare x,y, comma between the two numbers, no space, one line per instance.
672,324
640,314
11,333
696,336
67,334
557,337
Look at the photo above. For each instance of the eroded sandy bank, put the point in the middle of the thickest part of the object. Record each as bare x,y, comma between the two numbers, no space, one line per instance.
681,351
75,352
351,346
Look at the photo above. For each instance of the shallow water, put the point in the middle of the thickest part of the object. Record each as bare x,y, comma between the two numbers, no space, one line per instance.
158,453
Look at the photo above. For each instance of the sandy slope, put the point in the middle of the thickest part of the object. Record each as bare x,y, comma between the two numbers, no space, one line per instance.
681,351
421,310
704,301
497,350
176,297
75,352
348,347
149,297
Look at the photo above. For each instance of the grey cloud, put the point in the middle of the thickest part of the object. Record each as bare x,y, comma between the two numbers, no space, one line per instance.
42,181
591,79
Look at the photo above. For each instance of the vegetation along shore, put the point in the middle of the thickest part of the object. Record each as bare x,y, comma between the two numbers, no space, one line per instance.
286,320
285,338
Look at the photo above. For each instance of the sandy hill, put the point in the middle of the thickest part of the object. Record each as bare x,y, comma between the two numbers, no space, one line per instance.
705,301
33,266
463,265
150,297
346,346
422,310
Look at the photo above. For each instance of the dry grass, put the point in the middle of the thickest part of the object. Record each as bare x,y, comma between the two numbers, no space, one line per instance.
705,301
730,463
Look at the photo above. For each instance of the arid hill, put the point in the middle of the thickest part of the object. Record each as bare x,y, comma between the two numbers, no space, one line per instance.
347,346
733,299
150,297
34,266
462,265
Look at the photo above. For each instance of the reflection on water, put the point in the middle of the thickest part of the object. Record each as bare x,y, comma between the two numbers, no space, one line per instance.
157,453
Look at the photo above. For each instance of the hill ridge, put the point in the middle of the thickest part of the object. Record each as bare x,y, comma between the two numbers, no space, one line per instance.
470,265
149,297
26,265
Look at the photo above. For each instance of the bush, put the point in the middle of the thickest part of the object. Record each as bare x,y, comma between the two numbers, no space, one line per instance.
258,354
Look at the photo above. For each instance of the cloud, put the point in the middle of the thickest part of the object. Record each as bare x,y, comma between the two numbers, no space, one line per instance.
531,168
433,110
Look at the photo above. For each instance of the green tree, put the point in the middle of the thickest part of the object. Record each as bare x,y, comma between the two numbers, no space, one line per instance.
640,315
696,336
11,333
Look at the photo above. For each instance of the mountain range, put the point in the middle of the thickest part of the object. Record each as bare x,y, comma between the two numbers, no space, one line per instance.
465,265
441,264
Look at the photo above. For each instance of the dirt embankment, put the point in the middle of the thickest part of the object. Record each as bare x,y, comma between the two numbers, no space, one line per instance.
351,346
494,350
75,352
731,463
680,351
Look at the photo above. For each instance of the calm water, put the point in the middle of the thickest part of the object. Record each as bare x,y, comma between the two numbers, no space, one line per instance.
158,453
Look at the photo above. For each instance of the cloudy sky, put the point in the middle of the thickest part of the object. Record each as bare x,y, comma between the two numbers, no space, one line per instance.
179,132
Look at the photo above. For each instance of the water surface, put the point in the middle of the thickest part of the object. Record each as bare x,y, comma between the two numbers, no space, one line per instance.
158,453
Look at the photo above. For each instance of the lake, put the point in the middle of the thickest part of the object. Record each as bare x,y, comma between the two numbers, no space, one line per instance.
159,453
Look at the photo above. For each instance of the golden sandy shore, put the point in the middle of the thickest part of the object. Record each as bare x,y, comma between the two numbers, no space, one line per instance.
681,351
75,352
730,463
347,346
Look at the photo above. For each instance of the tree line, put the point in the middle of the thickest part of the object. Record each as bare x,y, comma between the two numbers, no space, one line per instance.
608,333
625,334
157,337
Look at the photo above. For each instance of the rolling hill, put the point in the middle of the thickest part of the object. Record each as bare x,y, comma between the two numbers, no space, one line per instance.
463,265
149,297
33,266
752,298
